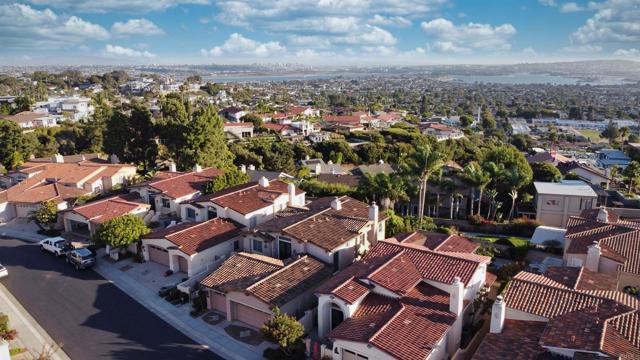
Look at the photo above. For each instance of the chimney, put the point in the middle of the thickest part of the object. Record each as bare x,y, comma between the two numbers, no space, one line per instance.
329,162
373,216
381,162
114,159
336,204
497,315
593,257
291,189
57,158
252,167
456,297
172,167
264,182
243,168
197,168
307,157
603,215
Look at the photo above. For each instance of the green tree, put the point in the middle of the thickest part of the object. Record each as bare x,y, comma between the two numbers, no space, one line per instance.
14,144
205,143
396,224
284,330
385,188
230,178
94,127
488,121
141,146
466,121
22,103
121,231
252,118
116,135
474,176
426,162
545,172
46,216
631,174
509,158
611,132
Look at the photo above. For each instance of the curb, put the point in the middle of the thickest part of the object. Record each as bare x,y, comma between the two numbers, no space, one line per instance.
169,318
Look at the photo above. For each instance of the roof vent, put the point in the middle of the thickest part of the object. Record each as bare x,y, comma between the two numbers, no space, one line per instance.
603,215
336,204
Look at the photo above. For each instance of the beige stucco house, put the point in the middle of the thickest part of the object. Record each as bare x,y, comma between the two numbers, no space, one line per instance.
557,202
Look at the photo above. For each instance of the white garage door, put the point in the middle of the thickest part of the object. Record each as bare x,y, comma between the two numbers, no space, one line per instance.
159,255
350,355
249,315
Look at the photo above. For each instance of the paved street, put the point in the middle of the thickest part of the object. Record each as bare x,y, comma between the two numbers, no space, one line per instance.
92,318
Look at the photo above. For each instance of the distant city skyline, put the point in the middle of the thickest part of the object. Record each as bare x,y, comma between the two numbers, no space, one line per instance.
322,32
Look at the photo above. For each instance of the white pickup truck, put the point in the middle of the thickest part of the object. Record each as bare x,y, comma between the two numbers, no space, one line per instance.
56,245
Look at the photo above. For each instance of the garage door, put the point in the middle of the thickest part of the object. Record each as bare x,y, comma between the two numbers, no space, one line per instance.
249,315
159,255
183,265
350,355
218,302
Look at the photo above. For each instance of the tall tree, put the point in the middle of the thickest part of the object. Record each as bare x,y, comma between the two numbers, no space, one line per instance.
426,161
141,147
475,177
14,145
205,141
116,135
93,128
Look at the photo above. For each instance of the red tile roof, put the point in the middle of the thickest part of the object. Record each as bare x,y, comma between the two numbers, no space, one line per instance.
192,238
249,197
322,225
582,320
439,242
240,271
176,185
619,241
106,209
519,340
580,278
390,324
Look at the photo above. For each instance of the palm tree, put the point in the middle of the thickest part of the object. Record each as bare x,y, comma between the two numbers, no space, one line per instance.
459,198
476,177
514,195
491,194
426,162
385,188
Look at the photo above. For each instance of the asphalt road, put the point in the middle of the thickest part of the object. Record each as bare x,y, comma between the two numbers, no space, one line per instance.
89,316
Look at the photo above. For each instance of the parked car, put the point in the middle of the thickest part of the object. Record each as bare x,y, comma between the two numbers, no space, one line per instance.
81,258
56,245
3,271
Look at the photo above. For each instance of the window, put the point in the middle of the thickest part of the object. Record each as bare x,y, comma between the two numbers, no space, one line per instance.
212,213
284,248
236,245
166,203
191,214
585,204
337,316
552,202
257,245
253,221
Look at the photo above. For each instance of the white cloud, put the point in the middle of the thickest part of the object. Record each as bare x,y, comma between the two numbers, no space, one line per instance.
237,44
571,7
22,26
397,21
136,27
115,50
627,53
448,37
314,41
102,6
616,21
582,49
551,3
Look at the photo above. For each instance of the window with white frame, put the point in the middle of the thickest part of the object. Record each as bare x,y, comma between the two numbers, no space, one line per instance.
257,245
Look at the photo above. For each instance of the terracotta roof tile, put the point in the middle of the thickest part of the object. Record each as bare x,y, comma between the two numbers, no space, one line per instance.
290,281
398,275
106,209
390,324
192,238
519,340
176,185
580,278
241,271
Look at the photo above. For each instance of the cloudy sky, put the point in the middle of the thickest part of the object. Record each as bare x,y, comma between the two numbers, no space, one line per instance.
317,32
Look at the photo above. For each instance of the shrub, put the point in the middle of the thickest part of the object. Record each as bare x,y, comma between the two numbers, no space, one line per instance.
486,250
476,220
506,272
284,330
631,290
6,333
523,226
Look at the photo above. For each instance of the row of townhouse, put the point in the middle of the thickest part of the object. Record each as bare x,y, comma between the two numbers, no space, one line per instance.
59,179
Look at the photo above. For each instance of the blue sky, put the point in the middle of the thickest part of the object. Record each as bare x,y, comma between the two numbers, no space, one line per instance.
320,32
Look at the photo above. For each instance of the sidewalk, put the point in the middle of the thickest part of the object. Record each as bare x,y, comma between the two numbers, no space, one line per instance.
213,338
31,336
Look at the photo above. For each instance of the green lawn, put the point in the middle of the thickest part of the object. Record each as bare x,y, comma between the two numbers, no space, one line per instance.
517,242
593,135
